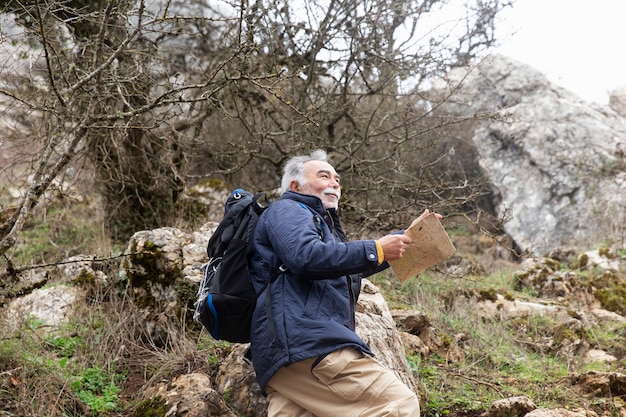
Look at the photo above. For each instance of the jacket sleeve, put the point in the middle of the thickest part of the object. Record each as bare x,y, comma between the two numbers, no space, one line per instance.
294,237
378,269
385,264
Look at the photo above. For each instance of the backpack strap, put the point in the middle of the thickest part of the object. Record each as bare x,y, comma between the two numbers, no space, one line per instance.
316,219
268,310
268,301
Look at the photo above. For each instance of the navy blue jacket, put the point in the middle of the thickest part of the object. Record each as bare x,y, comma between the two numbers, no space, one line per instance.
313,302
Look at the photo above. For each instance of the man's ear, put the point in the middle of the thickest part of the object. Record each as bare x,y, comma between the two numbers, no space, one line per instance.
294,186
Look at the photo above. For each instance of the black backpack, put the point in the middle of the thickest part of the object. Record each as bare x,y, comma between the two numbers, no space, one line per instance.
226,298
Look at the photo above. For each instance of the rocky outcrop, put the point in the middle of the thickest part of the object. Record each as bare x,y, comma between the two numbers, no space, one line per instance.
557,164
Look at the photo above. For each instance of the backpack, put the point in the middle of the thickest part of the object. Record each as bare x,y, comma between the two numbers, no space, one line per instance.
226,299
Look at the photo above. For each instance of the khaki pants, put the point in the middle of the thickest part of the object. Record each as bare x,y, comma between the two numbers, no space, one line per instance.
345,383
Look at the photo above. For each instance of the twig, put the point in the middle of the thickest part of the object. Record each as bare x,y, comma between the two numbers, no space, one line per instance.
10,371
94,259
478,381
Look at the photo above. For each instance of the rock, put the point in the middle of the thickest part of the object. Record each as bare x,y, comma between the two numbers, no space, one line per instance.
601,258
510,407
597,355
376,326
80,269
546,154
195,252
601,384
236,381
50,306
560,412
413,344
191,395
419,335
164,267
210,195
604,316
504,309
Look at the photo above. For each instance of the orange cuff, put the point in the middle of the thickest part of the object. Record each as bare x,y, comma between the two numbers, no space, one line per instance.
381,254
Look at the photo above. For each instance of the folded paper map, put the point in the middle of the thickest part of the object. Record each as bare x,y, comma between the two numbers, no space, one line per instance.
430,245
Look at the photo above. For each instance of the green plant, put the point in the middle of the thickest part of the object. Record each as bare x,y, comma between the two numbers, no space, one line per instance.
66,347
414,363
33,322
99,389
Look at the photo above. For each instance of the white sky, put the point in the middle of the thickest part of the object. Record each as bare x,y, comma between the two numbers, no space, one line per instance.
579,45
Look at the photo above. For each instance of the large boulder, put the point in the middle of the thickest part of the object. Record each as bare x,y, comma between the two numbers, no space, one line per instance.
557,164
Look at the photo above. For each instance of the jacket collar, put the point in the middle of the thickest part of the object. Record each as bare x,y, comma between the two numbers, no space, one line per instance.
310,200
330,216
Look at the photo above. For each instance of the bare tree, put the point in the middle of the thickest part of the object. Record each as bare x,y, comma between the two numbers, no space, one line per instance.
109,91
351,76
158,95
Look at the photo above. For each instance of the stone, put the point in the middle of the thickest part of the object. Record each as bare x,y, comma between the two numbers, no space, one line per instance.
556,164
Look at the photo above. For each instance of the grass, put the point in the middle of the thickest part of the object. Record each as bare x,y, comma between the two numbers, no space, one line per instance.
94,365
36,377
62,229
524,356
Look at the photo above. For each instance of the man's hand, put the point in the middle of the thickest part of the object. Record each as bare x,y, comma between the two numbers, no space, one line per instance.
394,246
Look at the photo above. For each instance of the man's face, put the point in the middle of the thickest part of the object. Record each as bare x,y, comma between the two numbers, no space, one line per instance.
322,181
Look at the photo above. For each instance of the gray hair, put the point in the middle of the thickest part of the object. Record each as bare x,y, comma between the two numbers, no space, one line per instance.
294,168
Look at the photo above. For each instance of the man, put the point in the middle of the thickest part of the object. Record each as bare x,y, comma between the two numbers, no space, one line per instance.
307,357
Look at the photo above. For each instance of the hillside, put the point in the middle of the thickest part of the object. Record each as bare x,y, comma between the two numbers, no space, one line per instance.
528,335
124,124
